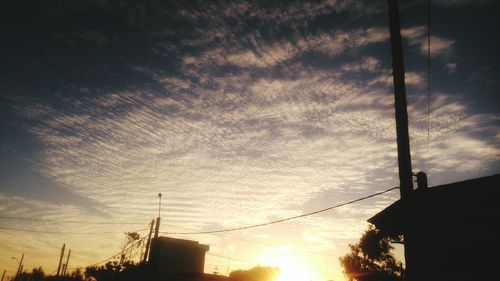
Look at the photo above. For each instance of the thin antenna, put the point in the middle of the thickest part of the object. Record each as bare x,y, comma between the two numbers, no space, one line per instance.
157,229
159,205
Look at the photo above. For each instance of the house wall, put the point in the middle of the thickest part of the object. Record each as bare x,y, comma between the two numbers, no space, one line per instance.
457,241
449,249
453,228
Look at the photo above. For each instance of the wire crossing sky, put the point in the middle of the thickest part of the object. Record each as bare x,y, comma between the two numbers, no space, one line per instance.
239,113
286,219
183,233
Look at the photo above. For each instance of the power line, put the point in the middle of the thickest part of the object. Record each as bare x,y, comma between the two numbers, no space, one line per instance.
64,221
119,253
110,258
254,242
224,236
224,257
204,232
285,219
428,71
58,232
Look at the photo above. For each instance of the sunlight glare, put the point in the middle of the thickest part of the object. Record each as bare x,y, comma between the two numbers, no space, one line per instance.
293,270
292,267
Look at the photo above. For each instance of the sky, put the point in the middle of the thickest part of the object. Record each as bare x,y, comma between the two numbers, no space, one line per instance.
239,113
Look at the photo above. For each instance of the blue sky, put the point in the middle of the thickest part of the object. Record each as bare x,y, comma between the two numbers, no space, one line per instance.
239,113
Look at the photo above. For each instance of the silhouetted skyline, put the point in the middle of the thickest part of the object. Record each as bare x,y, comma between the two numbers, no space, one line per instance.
238,114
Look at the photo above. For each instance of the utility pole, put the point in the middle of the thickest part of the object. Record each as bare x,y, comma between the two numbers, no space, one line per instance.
403,139
19,266
146,253
60,260
398,73
65,269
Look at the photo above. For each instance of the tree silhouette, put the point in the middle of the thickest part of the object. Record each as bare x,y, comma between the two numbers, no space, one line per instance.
113,271
124,268
130,242
371,258
258,273
37,274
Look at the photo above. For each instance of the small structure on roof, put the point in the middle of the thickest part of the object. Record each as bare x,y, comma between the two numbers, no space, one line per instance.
454,228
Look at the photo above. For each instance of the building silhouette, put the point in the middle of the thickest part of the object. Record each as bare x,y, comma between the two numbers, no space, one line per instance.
179,260
454,228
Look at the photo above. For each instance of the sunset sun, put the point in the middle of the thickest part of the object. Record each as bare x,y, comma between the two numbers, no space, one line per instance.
292,269
292,265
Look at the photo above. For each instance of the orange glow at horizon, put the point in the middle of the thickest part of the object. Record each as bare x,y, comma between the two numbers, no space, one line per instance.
293,266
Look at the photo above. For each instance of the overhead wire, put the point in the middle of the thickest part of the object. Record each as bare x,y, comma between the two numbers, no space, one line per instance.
203,232
180,233
66,221
119,253
428,75
110,258
60,232
251,241
225,257
285,219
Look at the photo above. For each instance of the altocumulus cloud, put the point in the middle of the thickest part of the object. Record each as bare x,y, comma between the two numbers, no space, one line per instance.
261,113
225,154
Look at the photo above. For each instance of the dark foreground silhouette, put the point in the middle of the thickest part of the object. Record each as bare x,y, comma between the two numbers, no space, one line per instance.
130,271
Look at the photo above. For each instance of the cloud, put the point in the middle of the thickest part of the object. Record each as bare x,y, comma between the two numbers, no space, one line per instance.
411,79
369,64
451,67
38,245
245,145
439,46
291,12
264,55
225,151
414,33
239,115
417,35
